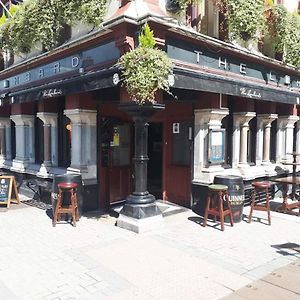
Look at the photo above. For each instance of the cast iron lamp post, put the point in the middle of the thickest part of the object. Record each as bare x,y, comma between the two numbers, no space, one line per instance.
140,204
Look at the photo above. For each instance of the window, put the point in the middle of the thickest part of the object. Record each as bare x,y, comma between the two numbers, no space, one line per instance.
13,139
251,148
39,140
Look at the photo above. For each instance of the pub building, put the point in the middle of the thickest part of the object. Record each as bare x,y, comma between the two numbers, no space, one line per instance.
234,111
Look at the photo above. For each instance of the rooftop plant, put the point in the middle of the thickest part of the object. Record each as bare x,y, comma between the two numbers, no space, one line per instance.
292,40
43,20
145,69
245,18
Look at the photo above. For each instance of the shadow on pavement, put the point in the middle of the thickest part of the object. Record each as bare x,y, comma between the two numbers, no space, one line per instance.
288,249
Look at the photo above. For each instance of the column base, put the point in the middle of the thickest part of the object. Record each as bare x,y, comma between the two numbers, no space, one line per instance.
19,165
140,225
246,171
77,169
140,218
44,170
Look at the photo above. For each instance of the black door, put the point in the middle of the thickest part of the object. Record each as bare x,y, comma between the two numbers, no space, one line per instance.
155,147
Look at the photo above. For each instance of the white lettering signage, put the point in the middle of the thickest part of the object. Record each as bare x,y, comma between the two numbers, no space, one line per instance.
250,93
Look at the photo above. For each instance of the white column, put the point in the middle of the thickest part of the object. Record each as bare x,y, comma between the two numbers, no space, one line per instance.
263,138
240,139
205,119
25,153
50,128
285,138
84,136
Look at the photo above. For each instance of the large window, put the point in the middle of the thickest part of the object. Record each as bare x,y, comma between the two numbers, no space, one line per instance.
39,140
13,139
251,149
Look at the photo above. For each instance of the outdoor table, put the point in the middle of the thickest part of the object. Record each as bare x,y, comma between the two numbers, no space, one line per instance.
285,181
294,163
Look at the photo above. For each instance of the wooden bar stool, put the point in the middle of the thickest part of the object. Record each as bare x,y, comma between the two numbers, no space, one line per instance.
72,208
214,205
260,187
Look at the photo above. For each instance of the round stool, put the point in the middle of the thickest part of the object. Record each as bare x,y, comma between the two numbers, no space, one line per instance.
260,187
72,208
214,204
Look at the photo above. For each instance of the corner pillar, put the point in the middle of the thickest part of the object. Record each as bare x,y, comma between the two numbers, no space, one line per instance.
83,150
25,153
206,119
285,138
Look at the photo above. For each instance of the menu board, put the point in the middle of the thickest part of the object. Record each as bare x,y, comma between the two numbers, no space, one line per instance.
216,146
8,190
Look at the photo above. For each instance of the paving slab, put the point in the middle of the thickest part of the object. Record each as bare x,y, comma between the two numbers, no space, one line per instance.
182,260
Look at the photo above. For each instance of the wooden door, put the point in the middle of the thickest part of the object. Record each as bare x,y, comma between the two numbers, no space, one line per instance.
115,162
178,153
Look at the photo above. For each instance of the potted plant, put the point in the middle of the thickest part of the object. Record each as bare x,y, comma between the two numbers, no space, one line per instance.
145,69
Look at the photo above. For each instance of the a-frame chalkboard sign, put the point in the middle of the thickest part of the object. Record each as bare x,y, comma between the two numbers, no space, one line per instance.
8,190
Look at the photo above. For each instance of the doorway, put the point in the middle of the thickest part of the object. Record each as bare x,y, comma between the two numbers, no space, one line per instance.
155,154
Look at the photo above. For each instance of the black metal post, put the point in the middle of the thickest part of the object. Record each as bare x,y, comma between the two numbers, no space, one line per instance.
140,203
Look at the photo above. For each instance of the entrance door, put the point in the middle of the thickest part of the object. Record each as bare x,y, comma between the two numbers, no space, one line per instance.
115,169
177,183
155,146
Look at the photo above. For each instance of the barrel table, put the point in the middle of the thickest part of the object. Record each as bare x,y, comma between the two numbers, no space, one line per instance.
235,193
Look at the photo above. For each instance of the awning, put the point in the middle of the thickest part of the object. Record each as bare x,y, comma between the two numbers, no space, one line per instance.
82,83
190,80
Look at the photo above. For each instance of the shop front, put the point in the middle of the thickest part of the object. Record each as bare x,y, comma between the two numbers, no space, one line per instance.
231,112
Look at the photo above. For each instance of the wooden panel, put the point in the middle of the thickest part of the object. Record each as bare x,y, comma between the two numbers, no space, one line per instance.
176,178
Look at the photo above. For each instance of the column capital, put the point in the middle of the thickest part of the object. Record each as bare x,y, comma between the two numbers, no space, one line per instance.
266,119
210,116
287,121
81,116
48,118
22,120
4,122
243,118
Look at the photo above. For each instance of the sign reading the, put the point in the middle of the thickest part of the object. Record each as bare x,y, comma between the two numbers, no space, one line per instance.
8,190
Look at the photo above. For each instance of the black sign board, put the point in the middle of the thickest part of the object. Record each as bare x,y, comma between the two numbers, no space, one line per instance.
8,190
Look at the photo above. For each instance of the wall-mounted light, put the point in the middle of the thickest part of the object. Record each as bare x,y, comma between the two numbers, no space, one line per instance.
116,78
81,70
287,80
171,79
6,83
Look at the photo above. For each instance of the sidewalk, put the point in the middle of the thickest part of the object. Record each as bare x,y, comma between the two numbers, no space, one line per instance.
183,260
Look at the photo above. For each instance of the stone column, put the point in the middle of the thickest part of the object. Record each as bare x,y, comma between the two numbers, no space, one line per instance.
240,138
83,150
25,153
50,141
298,138
263,138
285,138
205,119
4,123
